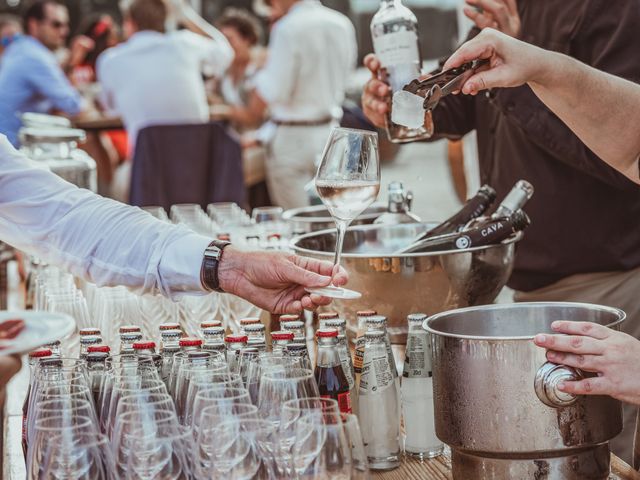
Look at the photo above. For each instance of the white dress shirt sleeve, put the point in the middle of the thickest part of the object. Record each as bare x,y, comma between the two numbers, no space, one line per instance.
275,82
213,55
98,239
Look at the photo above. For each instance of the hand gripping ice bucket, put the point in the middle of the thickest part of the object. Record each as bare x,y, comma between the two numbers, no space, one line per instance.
496,398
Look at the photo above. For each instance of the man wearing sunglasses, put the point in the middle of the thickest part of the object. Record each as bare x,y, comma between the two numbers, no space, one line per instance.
31,80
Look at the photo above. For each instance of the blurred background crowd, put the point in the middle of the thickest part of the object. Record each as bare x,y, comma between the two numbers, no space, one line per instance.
204,95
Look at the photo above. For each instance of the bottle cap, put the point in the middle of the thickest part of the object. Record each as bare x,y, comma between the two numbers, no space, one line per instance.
89,331
295,347
216,346
210,323
249,321
169,326
41,353
190,342
236,339
488,192
198,355
328,316
366,313
131,337
171,334
98,348
327,332
377,320
249,351
417,317
54,344
213,331
280,335
289,318
338,323
144,345
170,348
293,325
97,357
374,334
129,329
254,327
90,340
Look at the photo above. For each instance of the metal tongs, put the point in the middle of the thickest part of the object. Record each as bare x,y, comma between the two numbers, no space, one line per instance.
443,83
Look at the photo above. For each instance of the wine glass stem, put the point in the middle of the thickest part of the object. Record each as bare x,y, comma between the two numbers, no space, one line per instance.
342,228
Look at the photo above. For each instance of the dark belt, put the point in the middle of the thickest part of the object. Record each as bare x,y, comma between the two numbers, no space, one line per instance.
303,123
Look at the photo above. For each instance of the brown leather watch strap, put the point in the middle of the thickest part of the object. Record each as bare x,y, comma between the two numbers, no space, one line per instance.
210,263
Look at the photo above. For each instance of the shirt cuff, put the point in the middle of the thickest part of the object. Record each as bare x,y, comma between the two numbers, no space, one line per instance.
179,268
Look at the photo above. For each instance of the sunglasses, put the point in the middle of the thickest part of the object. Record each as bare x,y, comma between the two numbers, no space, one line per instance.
57,24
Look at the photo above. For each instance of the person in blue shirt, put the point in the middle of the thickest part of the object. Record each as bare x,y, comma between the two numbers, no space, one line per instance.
31,80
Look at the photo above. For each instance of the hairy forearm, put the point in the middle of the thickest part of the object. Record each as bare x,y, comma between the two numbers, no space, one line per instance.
601,109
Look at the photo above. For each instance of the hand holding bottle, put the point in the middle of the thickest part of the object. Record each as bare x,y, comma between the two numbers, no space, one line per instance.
376,94
499,14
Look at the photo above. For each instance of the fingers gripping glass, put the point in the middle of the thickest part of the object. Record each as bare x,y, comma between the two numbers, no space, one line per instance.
348,181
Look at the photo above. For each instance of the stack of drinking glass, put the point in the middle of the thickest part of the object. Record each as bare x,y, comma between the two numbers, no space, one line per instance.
118,417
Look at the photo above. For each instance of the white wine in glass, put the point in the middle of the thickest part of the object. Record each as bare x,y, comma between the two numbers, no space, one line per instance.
348,181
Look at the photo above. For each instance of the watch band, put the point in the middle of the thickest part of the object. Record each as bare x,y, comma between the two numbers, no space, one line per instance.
211,261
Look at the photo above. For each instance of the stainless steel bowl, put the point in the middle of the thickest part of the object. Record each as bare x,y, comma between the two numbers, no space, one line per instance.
397,285
312,219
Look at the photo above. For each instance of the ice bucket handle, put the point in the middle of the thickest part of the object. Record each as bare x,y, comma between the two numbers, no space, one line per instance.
546,383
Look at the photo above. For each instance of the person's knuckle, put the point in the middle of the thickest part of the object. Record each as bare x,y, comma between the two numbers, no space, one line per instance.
587,385
586,327
580,360
576,342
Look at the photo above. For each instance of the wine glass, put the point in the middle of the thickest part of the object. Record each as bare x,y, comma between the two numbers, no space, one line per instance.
348,181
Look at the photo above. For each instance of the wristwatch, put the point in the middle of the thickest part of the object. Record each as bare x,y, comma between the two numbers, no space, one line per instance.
210,263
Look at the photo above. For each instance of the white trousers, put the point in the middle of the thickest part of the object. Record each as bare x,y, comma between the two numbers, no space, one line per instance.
292,162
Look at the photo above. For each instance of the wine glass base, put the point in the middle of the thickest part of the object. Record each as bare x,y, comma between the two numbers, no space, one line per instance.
335,292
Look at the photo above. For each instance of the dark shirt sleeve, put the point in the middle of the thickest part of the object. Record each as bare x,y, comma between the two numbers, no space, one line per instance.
607,36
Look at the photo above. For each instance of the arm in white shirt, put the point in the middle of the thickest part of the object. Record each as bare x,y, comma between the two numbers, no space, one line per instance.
95,238
275,82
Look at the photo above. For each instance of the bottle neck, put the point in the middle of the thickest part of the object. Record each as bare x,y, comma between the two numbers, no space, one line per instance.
328,354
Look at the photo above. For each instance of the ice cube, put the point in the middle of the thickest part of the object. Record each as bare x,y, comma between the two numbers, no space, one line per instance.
407,110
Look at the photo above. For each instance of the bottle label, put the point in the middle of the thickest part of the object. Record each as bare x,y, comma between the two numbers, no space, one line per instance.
376,373
344,401
397,48
417,363
345,361
358,356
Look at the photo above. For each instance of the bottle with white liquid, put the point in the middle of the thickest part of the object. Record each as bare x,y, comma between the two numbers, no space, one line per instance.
394,30
378,405
417,393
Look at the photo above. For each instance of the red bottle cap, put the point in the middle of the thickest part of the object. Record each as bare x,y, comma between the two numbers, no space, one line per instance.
249,321
289,318
129,329
236,339
327,332
169,326
144,345
88,331
210,323
366,313
40,353
328,315
98,348
190,342
281,335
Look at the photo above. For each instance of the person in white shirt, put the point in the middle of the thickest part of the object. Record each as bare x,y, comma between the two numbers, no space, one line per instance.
156,77
312,53
109,243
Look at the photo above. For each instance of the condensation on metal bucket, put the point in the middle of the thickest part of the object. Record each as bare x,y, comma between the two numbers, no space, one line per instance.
496,398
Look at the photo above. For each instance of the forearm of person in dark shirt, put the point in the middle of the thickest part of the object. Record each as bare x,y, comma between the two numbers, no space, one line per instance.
601,109
607,40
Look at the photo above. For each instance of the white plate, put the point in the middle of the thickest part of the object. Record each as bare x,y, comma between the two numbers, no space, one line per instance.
39,329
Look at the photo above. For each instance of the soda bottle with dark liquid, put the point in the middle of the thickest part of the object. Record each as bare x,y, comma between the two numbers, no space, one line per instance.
329,373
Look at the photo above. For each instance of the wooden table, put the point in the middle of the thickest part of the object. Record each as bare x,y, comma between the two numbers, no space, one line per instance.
439,468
